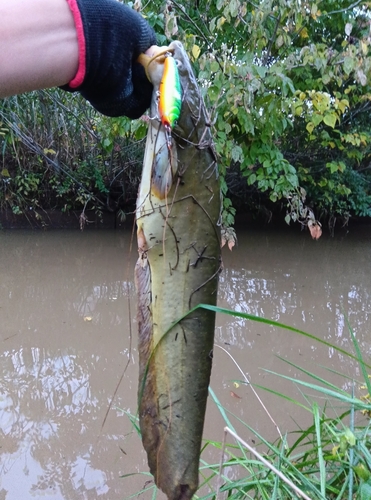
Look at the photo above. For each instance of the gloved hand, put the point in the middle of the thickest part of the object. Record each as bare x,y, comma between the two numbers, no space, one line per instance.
111,36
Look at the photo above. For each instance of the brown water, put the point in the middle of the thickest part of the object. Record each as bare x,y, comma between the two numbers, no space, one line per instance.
67,331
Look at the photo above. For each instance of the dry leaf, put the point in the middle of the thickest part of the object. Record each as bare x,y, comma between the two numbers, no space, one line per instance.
315,229
137,5
196,51
228,236
171,24
234,395
348,28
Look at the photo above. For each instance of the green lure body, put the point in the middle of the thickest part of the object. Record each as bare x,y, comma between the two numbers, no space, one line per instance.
170,90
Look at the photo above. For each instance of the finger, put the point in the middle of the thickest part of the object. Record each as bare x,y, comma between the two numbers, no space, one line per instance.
154,50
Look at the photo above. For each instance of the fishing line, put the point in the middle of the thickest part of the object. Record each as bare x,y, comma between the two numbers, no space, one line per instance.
146,60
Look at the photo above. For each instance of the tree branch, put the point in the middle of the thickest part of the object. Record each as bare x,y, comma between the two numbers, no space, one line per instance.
345,8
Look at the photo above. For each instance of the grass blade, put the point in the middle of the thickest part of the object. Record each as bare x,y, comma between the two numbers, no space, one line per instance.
360,358
329,393
321,462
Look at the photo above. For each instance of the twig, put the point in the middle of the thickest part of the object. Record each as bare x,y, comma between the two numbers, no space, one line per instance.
51,96
197,28
269,49
345,8
351,451
190,20
221,465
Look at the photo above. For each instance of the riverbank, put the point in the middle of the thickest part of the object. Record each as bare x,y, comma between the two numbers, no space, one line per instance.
56,219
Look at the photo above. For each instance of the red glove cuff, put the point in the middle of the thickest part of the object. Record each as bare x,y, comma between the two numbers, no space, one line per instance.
81,71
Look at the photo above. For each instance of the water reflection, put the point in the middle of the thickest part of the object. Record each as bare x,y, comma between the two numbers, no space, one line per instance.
294,280
47,402
309,285
67,331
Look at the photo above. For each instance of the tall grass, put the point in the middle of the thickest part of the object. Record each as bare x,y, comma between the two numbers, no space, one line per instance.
330,459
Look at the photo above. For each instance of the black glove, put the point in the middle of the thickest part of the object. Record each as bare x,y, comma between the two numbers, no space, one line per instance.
112,36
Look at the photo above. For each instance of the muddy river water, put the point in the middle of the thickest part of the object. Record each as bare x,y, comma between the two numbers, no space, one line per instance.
68,330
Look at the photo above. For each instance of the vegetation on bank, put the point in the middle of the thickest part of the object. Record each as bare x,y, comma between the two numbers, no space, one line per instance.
331,459
288,88
58,153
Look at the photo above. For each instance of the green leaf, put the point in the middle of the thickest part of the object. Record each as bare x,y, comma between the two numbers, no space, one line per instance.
326,78
234,6
362,472
332,166
330,119
350,437
310,127
213,24
214,66
348,65
298,110
293,180
316,119
251,179
341,166
273,197
236,153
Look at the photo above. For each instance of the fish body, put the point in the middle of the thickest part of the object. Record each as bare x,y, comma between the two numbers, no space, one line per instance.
178,214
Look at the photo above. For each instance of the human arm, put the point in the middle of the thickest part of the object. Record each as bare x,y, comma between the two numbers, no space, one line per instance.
90,46
38,45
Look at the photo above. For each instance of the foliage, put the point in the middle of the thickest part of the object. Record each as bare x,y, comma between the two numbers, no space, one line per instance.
58,153
328,460
288,89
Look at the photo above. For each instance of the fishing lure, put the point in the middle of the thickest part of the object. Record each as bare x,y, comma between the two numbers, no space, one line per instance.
170,96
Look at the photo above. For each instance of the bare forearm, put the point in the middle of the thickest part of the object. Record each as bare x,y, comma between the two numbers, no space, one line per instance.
85,46
38,45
